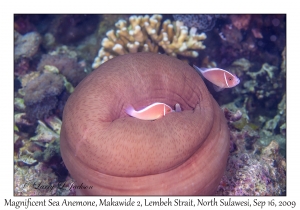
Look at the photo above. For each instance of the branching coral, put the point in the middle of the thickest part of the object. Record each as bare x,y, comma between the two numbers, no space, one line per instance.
147,34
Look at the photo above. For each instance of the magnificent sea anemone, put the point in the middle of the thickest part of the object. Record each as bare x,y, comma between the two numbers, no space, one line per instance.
183,153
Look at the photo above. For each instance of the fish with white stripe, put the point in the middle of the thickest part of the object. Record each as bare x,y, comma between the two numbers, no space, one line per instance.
219,77
152,112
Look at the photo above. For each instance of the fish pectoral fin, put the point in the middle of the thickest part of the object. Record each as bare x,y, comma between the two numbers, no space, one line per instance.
217,88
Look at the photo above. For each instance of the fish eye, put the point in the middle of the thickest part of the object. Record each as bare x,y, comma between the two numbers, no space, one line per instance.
230,78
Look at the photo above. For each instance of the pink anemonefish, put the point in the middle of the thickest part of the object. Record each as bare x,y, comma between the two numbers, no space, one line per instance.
151,112
219,77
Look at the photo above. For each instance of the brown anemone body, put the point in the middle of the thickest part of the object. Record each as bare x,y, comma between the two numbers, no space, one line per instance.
183,153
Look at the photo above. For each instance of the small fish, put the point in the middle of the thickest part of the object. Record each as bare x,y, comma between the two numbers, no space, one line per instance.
219,77
151,112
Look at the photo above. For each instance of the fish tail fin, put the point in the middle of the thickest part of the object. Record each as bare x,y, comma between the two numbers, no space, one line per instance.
199,69
177,108
130,111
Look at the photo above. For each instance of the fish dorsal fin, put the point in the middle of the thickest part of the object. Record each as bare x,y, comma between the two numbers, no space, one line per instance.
217,88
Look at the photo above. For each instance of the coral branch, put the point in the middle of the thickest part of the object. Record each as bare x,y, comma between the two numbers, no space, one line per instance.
146,34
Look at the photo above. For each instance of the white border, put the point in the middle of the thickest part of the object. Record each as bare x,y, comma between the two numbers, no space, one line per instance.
153,6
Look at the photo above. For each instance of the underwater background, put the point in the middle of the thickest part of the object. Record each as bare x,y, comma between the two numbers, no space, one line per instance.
53,53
